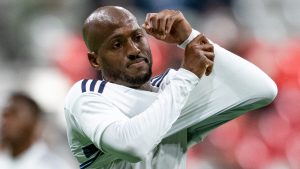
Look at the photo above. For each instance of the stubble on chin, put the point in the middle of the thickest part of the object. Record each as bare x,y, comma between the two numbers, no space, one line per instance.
114,76
138,80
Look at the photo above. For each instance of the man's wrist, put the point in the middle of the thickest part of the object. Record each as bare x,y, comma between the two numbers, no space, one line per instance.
184,34
194,33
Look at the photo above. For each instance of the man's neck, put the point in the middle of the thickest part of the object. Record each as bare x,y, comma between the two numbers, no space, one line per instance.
146,86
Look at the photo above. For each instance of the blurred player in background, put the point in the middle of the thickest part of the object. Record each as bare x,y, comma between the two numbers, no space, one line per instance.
127,120
20,132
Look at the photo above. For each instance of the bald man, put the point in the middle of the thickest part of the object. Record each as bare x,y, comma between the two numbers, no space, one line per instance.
128,120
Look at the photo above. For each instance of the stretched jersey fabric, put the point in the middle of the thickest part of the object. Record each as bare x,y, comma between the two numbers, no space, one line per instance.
111,126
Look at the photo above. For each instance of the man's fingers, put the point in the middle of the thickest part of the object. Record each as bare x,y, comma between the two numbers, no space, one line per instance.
154,22
161,23
209,67
147,21
204,40
155,25
207,47
202,49
162,26
149,24
170,22
209,55
201,53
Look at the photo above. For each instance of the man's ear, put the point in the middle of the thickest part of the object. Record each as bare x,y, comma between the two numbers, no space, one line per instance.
94,60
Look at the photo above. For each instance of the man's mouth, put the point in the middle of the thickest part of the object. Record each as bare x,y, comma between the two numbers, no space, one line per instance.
138,62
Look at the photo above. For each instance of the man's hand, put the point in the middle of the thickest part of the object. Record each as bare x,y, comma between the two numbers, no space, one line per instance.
199,56
168,25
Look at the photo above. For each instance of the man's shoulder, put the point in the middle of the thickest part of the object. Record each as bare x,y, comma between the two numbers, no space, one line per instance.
85,86
164,77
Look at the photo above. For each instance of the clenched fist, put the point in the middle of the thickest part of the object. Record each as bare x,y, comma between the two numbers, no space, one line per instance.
168,25
199,56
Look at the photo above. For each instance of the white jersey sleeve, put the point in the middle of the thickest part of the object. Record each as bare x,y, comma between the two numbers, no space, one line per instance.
94,113
87,114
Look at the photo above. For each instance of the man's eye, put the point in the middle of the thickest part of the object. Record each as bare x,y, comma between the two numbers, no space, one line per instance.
117,45
138,38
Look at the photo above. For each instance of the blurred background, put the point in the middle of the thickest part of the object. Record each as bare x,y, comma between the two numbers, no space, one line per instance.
42,54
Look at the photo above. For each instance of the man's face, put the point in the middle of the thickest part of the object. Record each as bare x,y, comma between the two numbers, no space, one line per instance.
125,55
17,123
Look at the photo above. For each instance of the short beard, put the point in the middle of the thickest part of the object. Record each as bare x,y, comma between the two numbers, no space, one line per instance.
139,80
134,81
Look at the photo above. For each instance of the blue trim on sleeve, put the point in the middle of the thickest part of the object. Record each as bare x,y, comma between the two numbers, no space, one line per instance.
158,84
158,81
155,78
92,86
90,161
89,150
83,85
101,88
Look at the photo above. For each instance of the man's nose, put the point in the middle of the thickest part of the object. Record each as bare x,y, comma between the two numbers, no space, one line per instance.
133,49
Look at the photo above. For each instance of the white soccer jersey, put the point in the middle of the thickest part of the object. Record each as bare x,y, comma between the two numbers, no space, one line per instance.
112,126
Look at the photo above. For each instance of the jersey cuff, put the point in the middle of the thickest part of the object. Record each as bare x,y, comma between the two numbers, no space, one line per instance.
192,36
